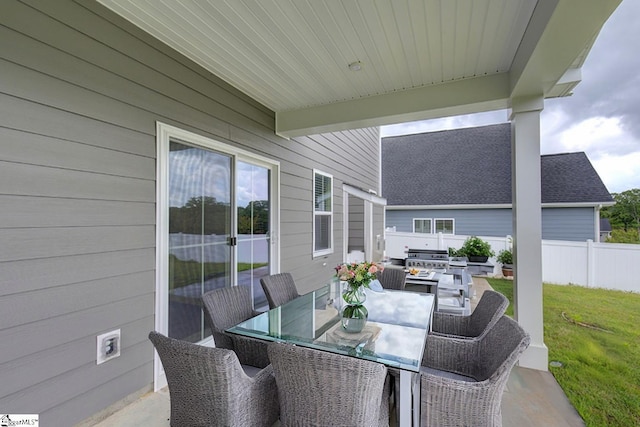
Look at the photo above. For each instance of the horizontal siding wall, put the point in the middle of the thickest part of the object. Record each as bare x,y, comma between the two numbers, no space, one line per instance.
573,224
356,224
80,95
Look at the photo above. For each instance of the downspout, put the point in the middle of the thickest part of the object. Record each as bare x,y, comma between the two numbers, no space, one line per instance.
597,223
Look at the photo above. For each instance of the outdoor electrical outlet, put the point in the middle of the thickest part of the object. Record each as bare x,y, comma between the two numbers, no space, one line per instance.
108,346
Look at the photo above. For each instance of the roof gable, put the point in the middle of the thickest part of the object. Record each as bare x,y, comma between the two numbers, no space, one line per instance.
473,166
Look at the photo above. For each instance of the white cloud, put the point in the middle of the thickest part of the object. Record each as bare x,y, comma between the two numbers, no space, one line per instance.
552,122
453,122
252,185
619,173
609,145
591,133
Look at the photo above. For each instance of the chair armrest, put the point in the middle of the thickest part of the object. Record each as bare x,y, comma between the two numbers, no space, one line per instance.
450,324
455,355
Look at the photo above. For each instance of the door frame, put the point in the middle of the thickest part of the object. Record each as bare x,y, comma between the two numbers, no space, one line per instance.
369,201
164,134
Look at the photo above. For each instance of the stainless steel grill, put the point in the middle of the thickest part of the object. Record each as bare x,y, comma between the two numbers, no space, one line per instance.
432,259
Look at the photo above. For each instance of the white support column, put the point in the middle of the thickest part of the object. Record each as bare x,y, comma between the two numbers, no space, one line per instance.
527,226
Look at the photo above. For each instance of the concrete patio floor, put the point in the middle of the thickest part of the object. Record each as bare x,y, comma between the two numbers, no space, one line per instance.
531,399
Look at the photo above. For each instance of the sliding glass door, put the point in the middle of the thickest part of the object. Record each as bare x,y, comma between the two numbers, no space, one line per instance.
217,227
200,218
254,227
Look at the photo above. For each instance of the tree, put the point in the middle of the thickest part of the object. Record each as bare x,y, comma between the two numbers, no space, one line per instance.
200,215
626,212
254,219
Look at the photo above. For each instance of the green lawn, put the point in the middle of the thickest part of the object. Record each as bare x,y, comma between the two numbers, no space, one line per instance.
595,334
186,272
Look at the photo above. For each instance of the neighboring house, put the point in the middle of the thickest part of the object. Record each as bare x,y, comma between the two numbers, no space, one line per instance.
134,149
459,182
605,229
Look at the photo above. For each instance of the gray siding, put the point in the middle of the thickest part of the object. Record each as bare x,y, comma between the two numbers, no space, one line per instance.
378,236
80,94
356,224
573,224
576,224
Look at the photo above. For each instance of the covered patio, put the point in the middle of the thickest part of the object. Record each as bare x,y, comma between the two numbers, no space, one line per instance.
330,66
532,398
99,97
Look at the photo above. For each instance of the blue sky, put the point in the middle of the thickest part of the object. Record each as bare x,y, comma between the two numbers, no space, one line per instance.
602,118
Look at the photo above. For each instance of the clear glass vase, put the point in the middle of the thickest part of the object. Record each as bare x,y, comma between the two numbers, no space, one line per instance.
354,294
354,317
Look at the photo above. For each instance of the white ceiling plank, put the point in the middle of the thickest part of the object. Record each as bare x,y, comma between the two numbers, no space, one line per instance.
293,55
417,19
434,36
462,37
404,29
377,49
394,54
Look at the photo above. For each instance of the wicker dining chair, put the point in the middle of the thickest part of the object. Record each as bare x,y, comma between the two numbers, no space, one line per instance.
462,380
490,308
279,289
392,278
226,307
208,386
322,389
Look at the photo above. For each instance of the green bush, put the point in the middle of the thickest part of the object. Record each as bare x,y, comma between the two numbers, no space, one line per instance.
453,252
475,246
505,257
624,236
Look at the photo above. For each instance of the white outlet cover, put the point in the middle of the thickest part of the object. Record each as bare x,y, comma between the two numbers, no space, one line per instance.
101,340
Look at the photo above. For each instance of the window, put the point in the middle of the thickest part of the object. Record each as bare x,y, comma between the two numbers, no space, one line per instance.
422,225
445,226
322,213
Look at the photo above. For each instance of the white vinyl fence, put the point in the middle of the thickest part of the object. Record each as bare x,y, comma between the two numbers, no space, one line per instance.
603,265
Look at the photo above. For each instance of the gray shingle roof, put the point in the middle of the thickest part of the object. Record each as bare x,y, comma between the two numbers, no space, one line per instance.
473,166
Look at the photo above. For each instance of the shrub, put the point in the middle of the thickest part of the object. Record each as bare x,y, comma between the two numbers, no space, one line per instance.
475,246
505,257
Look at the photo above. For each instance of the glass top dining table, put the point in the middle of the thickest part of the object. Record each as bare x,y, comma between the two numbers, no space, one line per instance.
394,334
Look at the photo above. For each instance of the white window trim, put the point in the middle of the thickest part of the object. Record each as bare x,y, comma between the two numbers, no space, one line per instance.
453,224
432,222
329,250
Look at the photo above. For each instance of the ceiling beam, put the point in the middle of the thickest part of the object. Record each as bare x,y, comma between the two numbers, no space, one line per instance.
452,98
557,31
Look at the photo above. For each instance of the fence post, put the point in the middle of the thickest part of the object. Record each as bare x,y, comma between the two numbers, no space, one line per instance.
590,263
441,241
